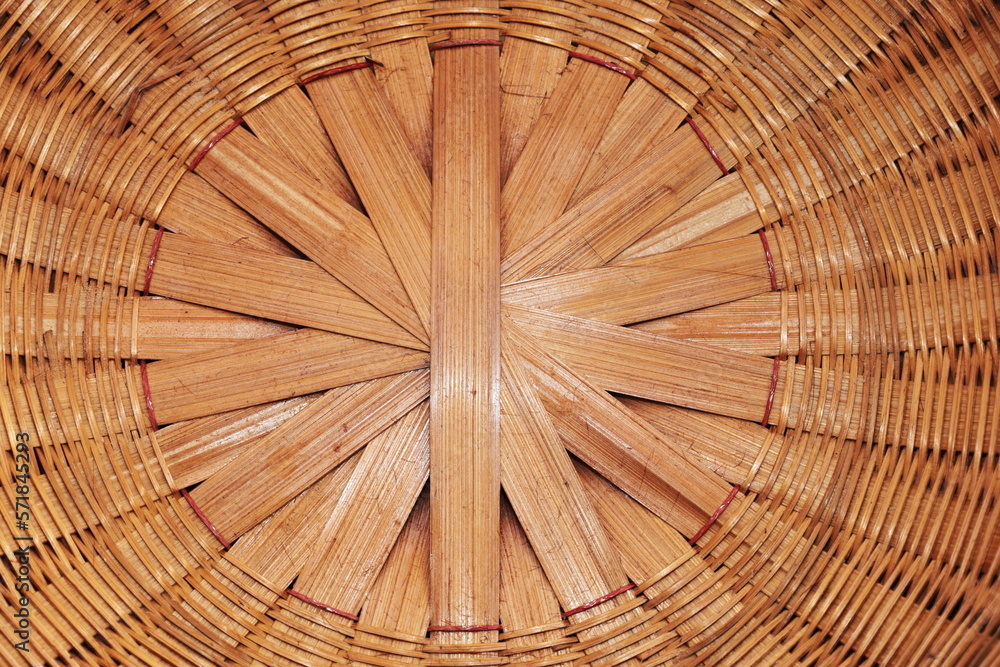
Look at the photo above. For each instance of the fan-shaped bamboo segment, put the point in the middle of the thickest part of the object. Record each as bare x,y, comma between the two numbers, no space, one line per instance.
643,119
327,229
198,210
611,218
360,531
538,479
290,125
195,449
565,533
285,289
655,285
536,192
397,611
620,446
303,448
527,601
394,188
219,381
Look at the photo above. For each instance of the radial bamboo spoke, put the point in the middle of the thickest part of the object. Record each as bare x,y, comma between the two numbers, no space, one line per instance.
644,118
99,323
924,315
296,363
304,448
617,359
529,72
198,210
724,210
265,285
194,450
526,597
406,77
538,477
399,599
601,432
652,286
465,350
614,216
544,177
327,229
361,529
383,167
288,123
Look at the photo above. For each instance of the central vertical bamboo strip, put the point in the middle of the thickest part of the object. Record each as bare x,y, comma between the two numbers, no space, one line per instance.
465,343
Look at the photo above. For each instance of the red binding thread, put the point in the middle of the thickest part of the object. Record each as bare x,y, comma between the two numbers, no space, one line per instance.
770,260
320,605
715,517
336,70
604,63
204,519
149,401
770,393
465,42
152,260
708,145
593,603
211,144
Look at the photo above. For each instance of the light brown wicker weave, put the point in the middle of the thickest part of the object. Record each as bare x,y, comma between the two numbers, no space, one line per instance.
536,332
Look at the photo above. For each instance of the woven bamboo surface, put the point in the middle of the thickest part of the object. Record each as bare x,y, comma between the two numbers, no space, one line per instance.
488,332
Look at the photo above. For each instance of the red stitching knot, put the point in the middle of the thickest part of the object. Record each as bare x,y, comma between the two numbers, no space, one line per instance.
715,517
770,392
770,260
708,145
320,605
604,63
336,70
593,603
465,42
464,628
204,519
152,260
214,140
145,392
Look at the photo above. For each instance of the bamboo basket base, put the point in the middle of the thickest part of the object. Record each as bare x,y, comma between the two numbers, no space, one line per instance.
590,333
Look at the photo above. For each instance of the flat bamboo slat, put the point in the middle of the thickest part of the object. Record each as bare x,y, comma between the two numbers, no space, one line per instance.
643,118
327,229
195,449
538,479
465,344
397,42
198,210
284,289
217,381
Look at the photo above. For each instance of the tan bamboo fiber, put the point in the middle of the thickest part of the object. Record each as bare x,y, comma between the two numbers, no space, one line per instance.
517,332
